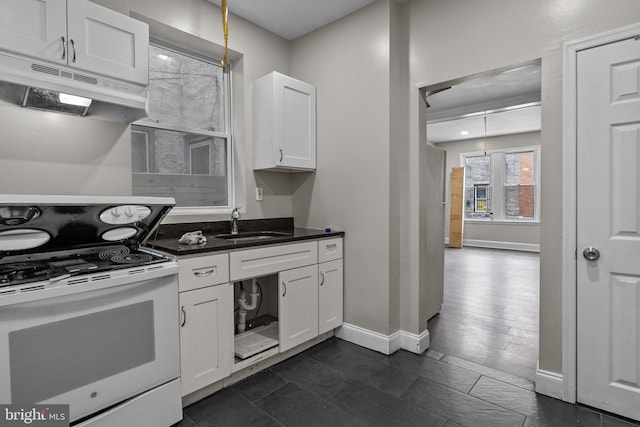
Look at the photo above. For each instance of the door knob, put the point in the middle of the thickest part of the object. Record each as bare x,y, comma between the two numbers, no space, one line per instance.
590,253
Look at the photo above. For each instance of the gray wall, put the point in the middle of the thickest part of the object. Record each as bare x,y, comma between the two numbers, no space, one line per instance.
350,190
495,234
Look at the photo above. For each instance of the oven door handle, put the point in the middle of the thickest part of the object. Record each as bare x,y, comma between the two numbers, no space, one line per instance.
184,317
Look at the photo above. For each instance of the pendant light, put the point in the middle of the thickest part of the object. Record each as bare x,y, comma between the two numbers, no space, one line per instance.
485,133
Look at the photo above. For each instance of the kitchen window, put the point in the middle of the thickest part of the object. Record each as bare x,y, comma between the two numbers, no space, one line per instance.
183,148
502,185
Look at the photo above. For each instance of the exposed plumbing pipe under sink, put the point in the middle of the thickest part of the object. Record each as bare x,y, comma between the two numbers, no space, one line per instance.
244,307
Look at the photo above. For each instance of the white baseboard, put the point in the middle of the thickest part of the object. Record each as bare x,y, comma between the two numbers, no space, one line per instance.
550,384
386,344
512,246
415,343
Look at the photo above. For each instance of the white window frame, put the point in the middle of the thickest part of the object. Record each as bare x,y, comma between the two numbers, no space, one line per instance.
147,165
498,187
231,198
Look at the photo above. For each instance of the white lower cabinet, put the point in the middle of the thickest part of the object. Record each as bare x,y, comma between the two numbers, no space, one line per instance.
301,285
330,295
297,306
206,336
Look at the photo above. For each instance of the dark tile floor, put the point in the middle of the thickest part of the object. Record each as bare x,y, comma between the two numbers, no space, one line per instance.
482,383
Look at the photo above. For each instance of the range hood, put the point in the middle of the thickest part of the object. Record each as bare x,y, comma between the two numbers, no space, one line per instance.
112,99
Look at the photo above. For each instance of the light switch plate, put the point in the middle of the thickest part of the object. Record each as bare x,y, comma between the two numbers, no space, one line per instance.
258,194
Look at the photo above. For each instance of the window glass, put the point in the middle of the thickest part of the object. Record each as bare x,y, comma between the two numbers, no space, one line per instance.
519,181
477,173
185,91
183,149
139,152
502,185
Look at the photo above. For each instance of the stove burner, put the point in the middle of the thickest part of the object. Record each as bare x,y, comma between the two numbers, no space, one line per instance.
131,258
108,254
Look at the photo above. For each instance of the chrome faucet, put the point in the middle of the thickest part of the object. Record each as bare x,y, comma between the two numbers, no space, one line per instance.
235,216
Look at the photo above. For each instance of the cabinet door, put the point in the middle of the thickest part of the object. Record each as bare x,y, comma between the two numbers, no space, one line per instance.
206,336
295,123
36,28
297,306
330,295
106,42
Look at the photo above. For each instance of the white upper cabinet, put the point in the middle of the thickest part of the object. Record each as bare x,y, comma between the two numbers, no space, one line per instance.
34,28
78,34
284,124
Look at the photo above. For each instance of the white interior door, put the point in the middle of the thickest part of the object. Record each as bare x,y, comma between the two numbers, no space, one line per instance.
608,220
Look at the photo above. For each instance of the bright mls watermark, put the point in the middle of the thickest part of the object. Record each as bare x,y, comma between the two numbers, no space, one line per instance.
34,415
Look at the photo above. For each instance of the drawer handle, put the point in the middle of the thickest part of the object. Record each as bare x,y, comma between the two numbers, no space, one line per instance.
284,288
184,317
204,273
332,246
321,279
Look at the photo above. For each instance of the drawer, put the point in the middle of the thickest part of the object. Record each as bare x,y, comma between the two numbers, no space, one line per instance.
272,259
329,249
198,272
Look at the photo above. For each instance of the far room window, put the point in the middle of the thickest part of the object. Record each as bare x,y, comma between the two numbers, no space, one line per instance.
477,175
502,185
183,149
519,185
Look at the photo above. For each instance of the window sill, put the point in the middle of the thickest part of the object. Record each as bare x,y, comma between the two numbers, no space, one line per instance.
502,222
204,210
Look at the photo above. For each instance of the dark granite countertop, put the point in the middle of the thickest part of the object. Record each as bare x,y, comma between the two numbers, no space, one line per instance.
166,238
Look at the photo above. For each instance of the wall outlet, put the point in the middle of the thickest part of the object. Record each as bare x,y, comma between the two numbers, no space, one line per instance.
258,194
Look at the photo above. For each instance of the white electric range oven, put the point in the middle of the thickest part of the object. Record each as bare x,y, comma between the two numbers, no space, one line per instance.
88,318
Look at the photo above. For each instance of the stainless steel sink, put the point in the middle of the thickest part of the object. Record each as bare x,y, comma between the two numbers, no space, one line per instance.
251,236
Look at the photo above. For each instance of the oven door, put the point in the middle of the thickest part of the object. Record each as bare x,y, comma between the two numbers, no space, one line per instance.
92,345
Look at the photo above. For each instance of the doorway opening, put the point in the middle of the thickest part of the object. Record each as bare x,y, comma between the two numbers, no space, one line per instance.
489,314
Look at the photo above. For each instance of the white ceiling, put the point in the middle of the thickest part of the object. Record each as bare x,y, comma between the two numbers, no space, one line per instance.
509,98
292,18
